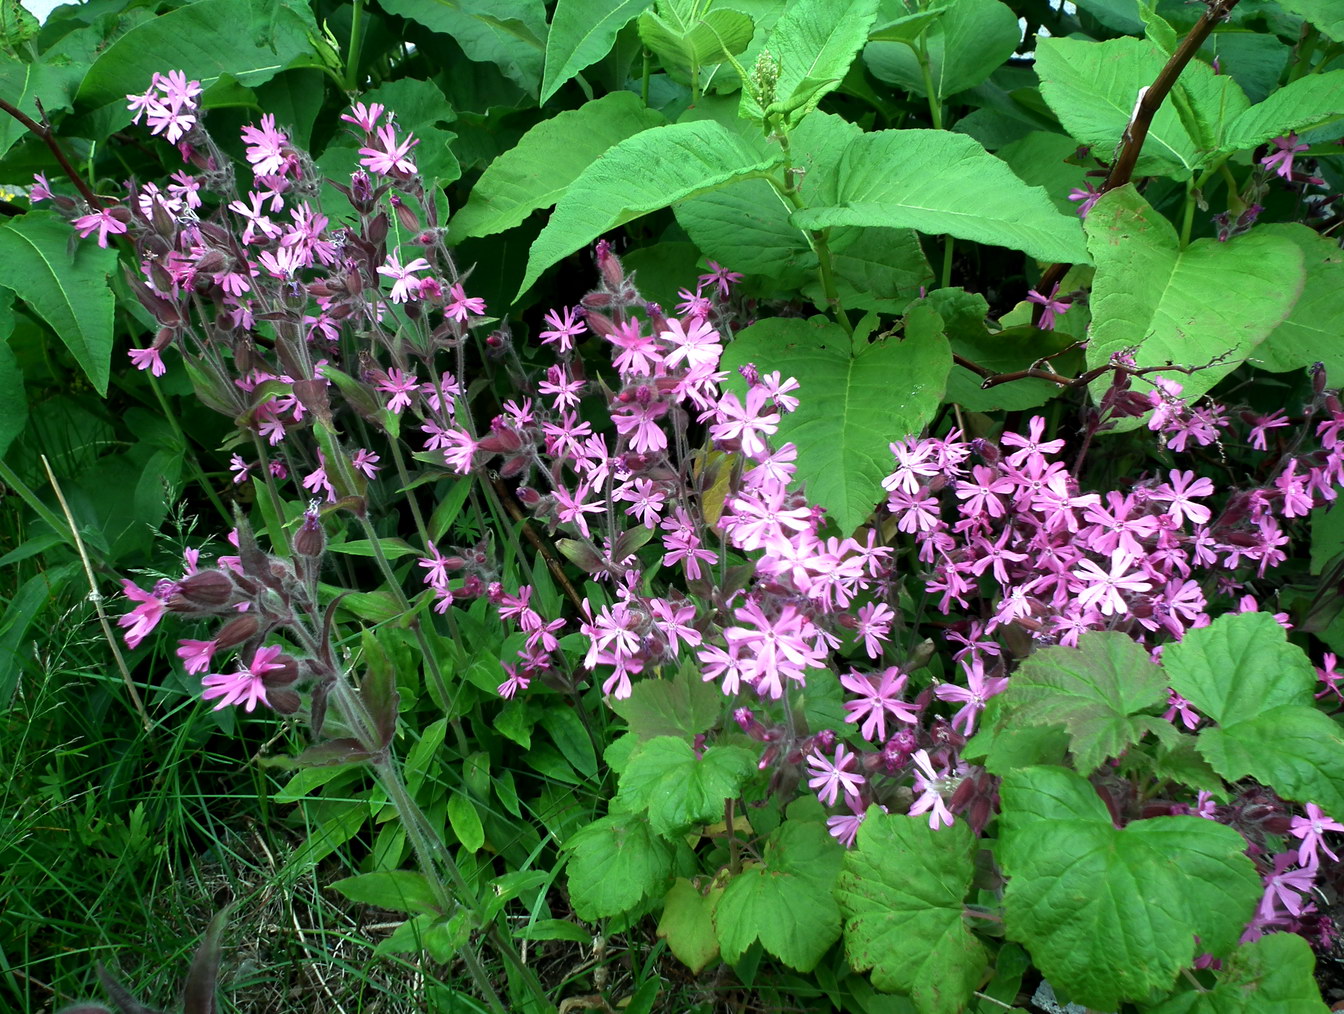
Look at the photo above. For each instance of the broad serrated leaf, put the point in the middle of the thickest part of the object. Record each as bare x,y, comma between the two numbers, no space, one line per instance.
1101,692
903,892
1311,332
1272,975
651,170
967,42
1170,304
547,159
507,33
1324,14
684,706
925,179
679,789
396,890
788,902
582,32
851,406
812,44
687,924
614,864
247,40
71,293
1243,673
1109,914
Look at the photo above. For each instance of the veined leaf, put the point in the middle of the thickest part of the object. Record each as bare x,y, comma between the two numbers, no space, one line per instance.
614,864
678,788
967,42
1311,332
940,182
507,33
69,293
710,39
1272,975
1170,305
547,159
643,173
582,32
1309,102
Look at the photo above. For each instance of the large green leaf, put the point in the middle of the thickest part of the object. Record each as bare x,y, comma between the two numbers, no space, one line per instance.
687,924
939,182
1101,692
903,892
812,45
249,40
13,399
51,81
683,42
1243,673
679,788
643,173
852,404
70,292
1109,914
1093,88
969,41
1324,14
1308,102
684,706
582,32
548,158
507,33
614,864
1170,305
1311,332
788,902
1272,975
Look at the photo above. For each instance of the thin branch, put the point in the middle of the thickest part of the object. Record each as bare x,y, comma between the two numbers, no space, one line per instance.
43,131
1136,132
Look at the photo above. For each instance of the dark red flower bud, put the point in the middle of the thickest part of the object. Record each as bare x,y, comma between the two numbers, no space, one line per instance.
283,700
310,541
282,677
236,631
206,590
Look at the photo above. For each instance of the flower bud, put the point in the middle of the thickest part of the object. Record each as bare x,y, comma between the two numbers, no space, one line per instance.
310,541
236,631
282,677
204,591
283,700
609,266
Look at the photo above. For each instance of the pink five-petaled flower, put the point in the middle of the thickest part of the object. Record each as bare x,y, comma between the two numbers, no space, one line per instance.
144,617
400,385
1050,306
875,701
148,359
1285,887
930,801
266,146
391,157
697,344
748,424
1088,195
973,697
720,277
1102,589
101,220
562,330
573,508
406,285
245,686
1281,161
196,655
364,117
1311,829
460,305
829,777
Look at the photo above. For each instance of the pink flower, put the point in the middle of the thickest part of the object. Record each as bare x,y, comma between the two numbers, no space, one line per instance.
562,330
721,277
400,385
391,157
461,305
1088,195
1102,589
148,359
829,777
876,701
1311,829
196,655
144,617
930,801
266,146
365,117
977,692
1281,161
1051,305
103,221
245,686
406,284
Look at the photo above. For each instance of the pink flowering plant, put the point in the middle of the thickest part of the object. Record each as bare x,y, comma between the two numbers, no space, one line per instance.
789,601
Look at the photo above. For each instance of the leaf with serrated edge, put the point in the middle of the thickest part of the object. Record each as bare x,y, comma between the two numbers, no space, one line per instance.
1112,915
582,32
614,864
787,903
687,924
903,893
678,788
1099,691
1272,975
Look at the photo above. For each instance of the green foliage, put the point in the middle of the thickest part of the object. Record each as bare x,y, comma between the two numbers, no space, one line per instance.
1272,975
1112,915
676,788
903,893
859,399
1242,672
787,901
614,864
